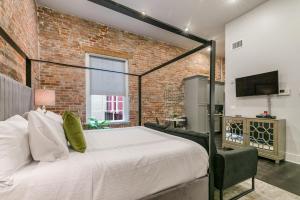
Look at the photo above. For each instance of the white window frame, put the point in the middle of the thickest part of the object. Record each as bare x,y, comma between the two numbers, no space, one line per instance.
87,90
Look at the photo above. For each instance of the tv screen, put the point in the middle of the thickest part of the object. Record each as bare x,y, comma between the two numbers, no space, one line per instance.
260,84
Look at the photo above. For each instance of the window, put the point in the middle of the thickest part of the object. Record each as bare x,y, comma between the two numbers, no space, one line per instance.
109,108
107,97
114,108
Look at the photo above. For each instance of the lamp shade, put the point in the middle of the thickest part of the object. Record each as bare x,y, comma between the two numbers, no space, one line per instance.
44,97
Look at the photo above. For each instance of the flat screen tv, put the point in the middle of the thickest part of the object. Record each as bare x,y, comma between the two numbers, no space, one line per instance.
260,84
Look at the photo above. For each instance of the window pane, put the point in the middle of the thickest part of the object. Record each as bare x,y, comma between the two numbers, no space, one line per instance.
114,108
109,116
120,105
97,107
119,116
120,98
115,104
108,106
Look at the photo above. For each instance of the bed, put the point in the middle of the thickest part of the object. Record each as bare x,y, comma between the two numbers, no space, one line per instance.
125,163
119,164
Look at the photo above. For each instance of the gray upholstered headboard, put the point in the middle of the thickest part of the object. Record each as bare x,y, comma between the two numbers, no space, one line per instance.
15,98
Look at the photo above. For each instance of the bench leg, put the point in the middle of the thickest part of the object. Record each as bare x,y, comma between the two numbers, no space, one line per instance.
241,194
221,194
246,192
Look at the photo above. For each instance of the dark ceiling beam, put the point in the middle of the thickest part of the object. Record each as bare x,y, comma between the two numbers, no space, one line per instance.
176,59
139,16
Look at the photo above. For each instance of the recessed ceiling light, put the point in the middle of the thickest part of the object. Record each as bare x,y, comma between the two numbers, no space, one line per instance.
186,29
143,13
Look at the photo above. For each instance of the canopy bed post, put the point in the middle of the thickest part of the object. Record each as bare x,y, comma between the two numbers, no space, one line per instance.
139,100
28,72
211,117
17,48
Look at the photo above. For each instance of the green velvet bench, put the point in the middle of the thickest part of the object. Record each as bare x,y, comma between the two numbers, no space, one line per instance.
230,167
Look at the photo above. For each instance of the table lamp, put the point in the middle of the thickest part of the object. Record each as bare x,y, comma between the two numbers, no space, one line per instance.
44,97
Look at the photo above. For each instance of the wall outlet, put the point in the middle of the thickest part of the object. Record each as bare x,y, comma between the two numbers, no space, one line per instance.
284,92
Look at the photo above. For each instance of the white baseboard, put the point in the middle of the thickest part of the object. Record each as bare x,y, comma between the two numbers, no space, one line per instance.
294,158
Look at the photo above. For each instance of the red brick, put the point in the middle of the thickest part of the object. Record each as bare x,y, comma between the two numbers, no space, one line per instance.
64,38
19,20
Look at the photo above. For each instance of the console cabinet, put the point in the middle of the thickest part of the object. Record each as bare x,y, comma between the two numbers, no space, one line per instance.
267,135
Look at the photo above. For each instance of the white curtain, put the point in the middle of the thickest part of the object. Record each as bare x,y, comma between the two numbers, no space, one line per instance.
107,83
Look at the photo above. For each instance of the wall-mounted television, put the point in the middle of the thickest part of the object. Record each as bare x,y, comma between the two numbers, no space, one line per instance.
260,84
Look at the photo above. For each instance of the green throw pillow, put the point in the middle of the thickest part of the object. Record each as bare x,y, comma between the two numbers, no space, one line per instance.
74,132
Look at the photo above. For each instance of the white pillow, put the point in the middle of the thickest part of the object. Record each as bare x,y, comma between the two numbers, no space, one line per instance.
25,115
46,138
51,115
55,116
14,148
58,118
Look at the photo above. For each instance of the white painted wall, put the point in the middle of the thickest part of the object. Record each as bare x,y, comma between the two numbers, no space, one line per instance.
271,37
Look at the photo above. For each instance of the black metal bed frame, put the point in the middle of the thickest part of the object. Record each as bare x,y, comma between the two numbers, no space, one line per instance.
152,21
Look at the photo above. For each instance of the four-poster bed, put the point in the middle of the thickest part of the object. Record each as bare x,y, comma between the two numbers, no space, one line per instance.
139,16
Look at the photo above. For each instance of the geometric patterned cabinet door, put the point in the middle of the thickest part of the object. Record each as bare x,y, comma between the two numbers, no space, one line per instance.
267,135
262,134
234,131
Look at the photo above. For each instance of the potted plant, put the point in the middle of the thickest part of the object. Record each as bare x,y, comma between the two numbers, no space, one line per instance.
97,124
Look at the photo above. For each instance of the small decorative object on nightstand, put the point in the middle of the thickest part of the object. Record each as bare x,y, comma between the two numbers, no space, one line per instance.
266,115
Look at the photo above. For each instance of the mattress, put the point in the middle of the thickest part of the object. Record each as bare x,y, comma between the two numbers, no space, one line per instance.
119,164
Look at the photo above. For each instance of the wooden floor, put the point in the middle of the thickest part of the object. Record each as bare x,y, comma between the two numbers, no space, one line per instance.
285,175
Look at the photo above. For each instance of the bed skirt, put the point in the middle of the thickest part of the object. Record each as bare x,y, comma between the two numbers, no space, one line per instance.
194,190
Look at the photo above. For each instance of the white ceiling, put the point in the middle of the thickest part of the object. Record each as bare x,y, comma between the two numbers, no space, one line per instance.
205,18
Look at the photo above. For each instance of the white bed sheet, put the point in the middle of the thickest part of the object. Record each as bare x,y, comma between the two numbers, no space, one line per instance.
120,164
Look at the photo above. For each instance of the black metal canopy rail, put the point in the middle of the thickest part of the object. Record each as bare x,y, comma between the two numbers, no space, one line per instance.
147,19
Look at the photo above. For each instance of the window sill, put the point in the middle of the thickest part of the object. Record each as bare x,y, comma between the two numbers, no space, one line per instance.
116,124
119,122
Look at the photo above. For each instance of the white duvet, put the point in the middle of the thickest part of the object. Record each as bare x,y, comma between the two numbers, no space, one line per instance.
120,164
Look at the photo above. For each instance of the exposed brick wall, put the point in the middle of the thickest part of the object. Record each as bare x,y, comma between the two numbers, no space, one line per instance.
67,39
11,63
19,20
163,91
